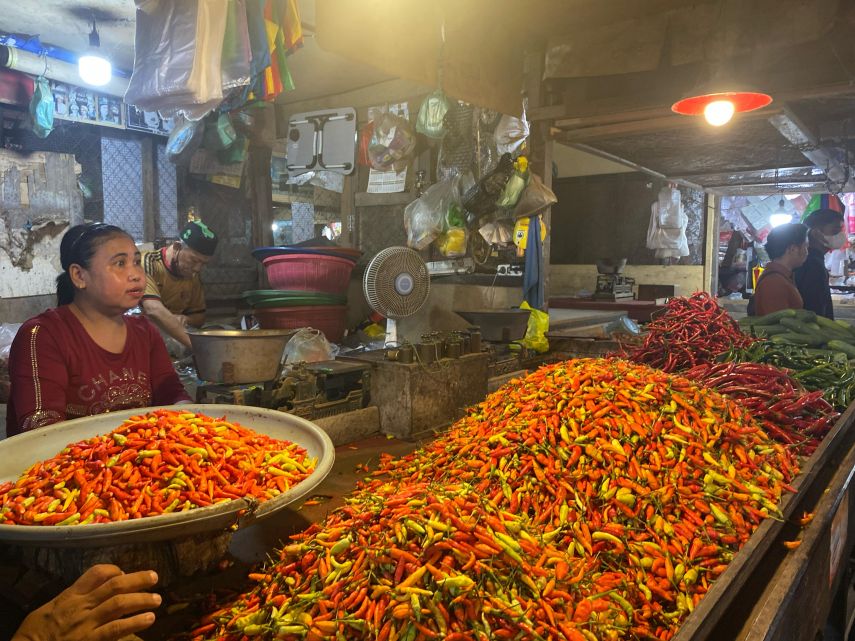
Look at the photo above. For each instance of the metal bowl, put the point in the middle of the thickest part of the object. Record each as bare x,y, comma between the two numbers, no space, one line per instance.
610,265
19,452
235,357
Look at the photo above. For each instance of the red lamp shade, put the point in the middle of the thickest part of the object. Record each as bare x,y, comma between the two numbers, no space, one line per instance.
742,101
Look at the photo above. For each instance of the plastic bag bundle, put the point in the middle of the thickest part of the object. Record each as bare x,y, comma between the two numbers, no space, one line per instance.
481,198
308,346
431,119
392,143
452,243
426,218
178,57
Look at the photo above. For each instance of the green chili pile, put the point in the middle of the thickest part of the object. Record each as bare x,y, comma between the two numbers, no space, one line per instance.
593,499
816,370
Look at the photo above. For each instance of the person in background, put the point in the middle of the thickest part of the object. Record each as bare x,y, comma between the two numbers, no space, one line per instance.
85,356
826,233
174,298
776,290
95,608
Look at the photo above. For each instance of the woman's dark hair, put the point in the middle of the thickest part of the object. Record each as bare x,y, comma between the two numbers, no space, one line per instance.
782,238
77,248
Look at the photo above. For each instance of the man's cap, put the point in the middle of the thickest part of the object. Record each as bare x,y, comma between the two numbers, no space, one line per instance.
197,236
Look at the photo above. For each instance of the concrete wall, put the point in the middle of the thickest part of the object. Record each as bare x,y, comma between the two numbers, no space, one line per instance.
567,280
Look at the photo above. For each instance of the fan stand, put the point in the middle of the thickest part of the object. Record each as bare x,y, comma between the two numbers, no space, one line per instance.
391,332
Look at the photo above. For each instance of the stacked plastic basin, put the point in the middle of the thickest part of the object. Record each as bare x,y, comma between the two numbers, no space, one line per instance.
309,288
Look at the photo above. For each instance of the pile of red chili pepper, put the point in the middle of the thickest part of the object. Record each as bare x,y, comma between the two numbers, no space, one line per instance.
789,413
161,462
691,331
593,499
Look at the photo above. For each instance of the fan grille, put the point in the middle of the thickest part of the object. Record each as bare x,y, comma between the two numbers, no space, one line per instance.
396,282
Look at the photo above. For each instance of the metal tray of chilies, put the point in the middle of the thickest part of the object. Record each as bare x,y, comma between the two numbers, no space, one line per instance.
816,471
18,453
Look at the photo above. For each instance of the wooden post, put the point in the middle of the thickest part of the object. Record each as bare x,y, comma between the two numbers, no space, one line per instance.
348,211
151,211
711,243
261,198
540,149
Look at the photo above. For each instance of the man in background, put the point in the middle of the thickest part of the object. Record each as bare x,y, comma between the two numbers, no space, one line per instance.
826,233
174,298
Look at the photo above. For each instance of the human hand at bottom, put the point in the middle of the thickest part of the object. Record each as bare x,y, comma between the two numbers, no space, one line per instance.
95,608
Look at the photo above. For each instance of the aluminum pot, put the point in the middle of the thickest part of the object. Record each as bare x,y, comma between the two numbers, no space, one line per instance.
235,357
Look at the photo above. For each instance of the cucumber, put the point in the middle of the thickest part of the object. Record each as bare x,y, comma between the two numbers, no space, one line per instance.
841,346
805,315
774,317
795,338
799,327
827,323
844,325
767,330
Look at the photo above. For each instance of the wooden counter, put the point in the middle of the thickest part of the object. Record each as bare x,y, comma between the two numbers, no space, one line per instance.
637,310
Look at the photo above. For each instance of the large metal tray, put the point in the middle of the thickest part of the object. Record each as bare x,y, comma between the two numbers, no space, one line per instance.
19,452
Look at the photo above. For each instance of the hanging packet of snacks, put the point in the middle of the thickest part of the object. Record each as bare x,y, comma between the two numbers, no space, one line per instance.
431,118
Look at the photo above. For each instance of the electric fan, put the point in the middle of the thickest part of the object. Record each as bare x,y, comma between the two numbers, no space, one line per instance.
396,284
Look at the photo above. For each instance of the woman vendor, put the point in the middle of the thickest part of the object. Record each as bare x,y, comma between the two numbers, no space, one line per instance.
86,356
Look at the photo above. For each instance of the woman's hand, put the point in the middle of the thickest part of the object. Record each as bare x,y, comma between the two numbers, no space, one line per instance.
94,608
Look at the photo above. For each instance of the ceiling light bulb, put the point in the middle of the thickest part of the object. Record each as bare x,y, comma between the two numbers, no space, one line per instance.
95,70
776,220
719,112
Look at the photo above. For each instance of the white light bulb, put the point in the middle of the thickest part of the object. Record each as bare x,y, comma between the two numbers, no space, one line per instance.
719,112
776,220
94,70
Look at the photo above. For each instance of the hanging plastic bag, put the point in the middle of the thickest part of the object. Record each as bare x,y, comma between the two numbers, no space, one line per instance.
365,135
431,118
535,198
392,143
219,133
308,346
515,186
535,333
452,243
425,218
481,198
184,140
236,49
511,134
41,108
235,153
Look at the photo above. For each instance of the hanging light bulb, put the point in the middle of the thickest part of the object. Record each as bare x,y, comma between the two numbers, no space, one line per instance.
93,68
719,112
781,216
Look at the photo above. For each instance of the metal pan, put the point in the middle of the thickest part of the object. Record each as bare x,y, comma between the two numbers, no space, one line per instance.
20,452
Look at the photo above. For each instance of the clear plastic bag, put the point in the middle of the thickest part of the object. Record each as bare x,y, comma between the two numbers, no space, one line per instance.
511,134
392,143
431,118
425,218
515,186
308,346
178,57
535,198
236,49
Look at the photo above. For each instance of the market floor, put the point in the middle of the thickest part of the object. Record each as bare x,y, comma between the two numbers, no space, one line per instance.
186,600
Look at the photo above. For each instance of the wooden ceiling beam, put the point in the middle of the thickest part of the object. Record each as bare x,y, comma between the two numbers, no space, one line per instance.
632,165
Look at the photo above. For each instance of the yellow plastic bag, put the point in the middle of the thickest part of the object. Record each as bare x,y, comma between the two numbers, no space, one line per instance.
535,333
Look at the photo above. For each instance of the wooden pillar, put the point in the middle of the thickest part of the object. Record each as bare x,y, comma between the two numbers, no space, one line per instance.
348,210
711,229
151,210
540,148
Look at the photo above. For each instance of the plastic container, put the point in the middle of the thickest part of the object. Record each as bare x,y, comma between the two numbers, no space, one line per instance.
309,273
330,319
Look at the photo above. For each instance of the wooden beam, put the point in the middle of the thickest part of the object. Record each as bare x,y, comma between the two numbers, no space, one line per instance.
149,190
762,190
364,199
632,165
604,110
801,136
